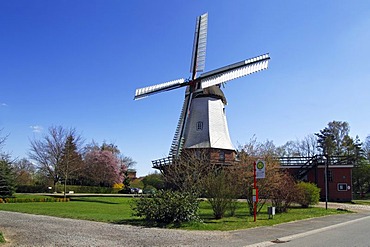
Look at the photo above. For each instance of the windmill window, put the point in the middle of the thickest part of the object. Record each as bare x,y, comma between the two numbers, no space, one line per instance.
222,156
199,125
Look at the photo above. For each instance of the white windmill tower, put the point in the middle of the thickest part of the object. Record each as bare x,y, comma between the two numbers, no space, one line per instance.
202,124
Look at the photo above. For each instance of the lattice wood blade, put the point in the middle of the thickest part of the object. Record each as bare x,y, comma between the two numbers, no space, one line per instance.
200,42
146,91
234,71
178,138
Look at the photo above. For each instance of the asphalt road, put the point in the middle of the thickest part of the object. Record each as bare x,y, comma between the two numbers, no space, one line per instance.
353,233
36,230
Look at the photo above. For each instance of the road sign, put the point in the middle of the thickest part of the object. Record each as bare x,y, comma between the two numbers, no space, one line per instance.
260,169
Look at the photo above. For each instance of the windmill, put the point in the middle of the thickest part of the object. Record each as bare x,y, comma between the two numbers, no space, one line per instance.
202,124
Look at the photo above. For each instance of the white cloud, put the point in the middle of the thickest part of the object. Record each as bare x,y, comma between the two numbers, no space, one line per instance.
36,128
3,104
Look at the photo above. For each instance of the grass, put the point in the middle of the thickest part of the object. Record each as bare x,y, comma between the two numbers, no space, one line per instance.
117,210
2,239
361,202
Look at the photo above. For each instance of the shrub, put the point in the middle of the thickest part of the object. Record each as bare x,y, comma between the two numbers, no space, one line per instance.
167,207
32,189
220,192
283,192
308,194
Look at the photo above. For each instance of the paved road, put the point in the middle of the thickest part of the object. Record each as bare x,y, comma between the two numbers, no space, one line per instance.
353,233
35,230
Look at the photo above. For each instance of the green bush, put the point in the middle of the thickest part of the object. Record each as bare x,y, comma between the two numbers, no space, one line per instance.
32,189
167,207
308,194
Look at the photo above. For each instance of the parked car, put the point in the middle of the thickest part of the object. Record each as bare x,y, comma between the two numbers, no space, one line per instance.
136,191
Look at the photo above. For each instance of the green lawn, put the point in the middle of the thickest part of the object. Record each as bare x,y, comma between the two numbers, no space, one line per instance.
362,202
117,210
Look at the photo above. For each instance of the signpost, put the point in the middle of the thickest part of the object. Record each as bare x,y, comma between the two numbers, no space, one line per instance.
259,168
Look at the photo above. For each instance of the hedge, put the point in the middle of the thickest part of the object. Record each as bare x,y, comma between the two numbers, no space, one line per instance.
25,200
60,188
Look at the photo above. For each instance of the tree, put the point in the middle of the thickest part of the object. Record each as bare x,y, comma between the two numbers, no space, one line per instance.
188,173
2,140
361,177
102,168
332,140
48,152
7,180
154,180
109,156
278,186
71,161
25,172
366,148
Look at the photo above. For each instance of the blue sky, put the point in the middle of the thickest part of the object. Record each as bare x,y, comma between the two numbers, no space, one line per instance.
77,64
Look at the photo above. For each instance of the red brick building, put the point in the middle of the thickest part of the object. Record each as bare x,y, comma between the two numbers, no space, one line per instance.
312,169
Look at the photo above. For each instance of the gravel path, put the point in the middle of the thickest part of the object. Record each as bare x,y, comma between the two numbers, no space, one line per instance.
38,230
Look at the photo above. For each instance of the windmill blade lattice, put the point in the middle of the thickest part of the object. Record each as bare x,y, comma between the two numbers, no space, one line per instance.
234,71
198,60
146,91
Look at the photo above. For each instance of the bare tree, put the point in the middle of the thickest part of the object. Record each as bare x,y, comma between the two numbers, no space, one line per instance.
273,186
48,151
366,147
306,147
2,141
188,172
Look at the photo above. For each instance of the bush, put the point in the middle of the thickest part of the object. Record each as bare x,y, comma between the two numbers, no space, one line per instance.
220,192
308,194
167,207
32,189
282,192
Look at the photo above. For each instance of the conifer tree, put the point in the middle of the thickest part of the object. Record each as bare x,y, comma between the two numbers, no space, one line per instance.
7,178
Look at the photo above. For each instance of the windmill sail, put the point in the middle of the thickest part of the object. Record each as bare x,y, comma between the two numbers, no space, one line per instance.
197,65
177,141
146,91
234,71
199,48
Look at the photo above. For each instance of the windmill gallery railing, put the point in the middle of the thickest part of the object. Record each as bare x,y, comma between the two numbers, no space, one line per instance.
305,164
